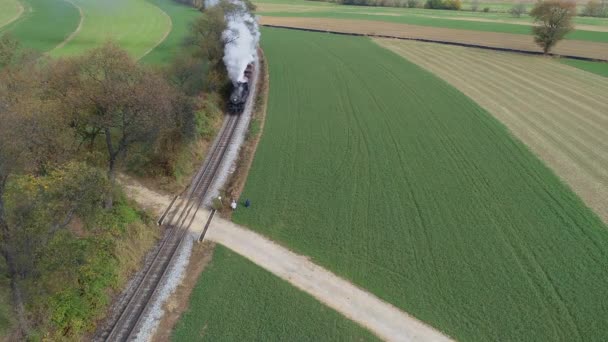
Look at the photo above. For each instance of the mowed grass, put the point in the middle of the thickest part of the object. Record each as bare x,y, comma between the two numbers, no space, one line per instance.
235,300
599,68
181,17
44,23
466,20
136,25
9,10
393,179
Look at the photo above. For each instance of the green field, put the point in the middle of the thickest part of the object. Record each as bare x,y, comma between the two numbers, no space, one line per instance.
44,24
393,179
235,300
599,68
424,17
136,25
181,17
10,10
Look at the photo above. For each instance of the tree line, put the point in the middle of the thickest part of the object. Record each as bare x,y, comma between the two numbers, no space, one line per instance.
68,127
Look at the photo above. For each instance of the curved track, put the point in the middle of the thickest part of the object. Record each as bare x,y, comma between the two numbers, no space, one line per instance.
135,303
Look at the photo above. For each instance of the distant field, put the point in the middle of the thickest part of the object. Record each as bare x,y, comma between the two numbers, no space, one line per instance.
235,300
392,178
44,23
599,68
440,34
475,21
9,11
560,112
136,25
181,17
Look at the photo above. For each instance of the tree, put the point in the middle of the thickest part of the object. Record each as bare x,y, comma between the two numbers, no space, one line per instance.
474,5
554,18
518,9
596,9
106,93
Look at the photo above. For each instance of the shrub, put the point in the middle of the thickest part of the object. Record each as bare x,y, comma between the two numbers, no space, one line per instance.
443,4
486,9
475,5
595,9
412,3
518,9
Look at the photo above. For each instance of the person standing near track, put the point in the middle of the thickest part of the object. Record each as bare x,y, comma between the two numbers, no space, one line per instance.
233,204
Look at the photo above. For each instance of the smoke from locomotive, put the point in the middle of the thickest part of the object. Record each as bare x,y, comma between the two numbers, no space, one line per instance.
240,92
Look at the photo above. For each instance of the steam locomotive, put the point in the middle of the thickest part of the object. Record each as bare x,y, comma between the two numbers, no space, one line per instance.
240,93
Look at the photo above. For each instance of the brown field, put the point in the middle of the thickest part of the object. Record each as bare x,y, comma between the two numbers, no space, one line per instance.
491,39
560,112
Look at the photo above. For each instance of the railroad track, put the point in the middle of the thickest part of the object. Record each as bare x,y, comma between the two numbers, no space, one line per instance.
136,302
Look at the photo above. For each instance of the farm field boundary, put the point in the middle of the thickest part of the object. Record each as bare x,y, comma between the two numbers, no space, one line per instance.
135,25
560,112
38,28
396,181
582,50
12,10
75,33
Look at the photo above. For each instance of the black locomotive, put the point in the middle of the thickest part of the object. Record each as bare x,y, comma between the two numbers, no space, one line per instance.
240,93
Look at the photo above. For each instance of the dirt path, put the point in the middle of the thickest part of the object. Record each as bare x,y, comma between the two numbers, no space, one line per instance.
380,317
75,33
490,39
17,16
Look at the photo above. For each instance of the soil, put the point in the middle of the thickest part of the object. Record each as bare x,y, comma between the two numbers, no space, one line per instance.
178,302
559,111
579,48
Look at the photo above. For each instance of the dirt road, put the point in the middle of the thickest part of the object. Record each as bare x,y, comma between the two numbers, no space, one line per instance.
491,39
383,319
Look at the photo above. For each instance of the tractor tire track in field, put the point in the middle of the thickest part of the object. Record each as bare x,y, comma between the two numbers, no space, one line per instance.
380,317
17,15
167,32
558,111
78,28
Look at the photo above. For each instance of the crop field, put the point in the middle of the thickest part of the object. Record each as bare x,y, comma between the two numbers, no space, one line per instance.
588,29
599,68
11,10
392,178
136,25
235,300
560,112
181,17
44,23
489,39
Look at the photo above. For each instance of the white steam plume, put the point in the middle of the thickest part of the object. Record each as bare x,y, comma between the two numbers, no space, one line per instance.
241,39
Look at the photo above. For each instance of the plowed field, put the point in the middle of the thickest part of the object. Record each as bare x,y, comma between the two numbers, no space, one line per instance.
559,111
579,48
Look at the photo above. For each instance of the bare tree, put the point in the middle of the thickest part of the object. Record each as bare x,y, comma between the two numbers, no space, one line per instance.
554,19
